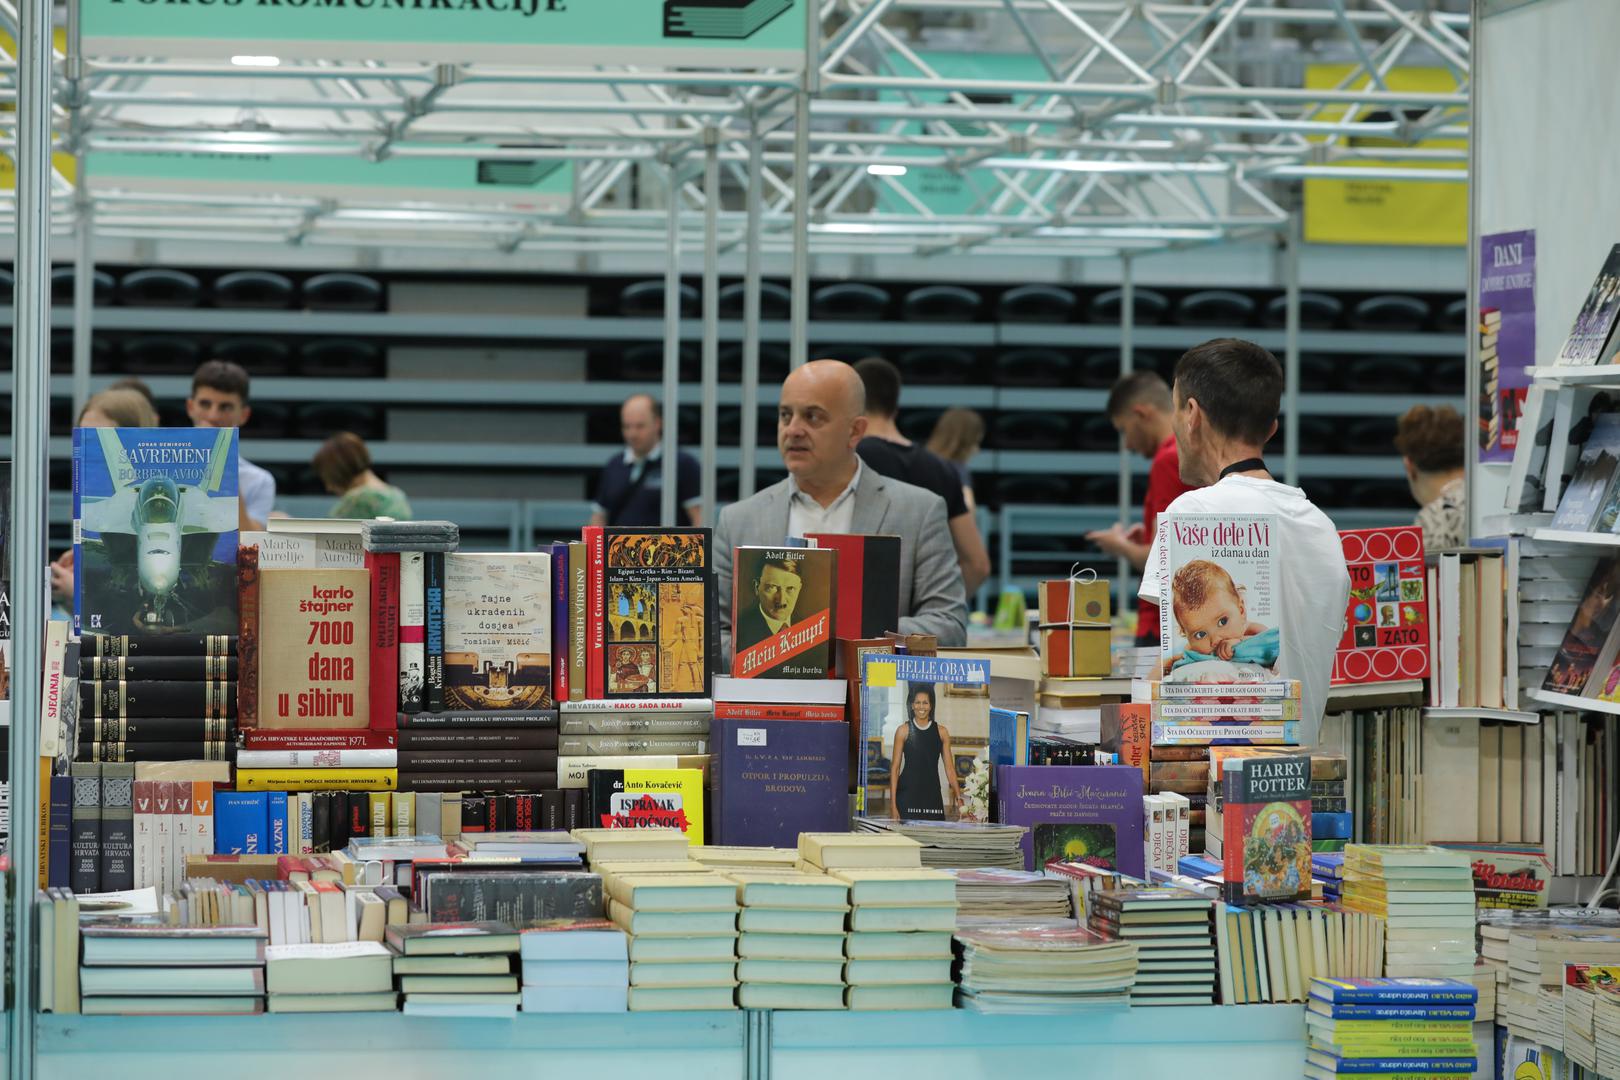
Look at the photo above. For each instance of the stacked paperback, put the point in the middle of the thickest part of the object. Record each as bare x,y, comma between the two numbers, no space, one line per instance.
1018,969
1425,895
952,844
1022,897
456,969
157,698
791,946
575,965
354,976
682,922
1172,932
1391,1026
148,969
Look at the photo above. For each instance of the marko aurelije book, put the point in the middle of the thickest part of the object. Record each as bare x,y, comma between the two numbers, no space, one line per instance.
155,515
782,612
1266,828
1219,617
658,628
314,648
1089,814
497,631
924,738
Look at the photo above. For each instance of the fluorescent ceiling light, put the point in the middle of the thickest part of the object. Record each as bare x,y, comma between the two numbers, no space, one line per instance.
256,61
886,170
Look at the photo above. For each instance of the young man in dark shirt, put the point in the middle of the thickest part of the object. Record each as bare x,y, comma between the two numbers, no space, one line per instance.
897,457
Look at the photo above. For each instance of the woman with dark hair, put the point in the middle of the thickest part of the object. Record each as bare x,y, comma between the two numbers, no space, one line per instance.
921,746
1431,444
344,465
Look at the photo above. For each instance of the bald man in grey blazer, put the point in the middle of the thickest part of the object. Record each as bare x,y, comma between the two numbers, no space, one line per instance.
819,420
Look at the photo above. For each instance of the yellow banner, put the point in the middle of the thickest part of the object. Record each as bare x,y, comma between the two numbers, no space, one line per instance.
8,167
1385,211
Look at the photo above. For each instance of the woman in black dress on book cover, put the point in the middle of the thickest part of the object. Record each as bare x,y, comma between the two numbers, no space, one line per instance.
920,746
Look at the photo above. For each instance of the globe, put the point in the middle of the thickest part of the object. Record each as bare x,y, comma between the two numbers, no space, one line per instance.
1364,612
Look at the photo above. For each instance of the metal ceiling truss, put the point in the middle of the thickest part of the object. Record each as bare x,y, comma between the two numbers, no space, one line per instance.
1140,126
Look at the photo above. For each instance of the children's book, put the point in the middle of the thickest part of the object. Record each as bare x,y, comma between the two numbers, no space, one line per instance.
1386,620
155,531
925,731
1266,828
1220,619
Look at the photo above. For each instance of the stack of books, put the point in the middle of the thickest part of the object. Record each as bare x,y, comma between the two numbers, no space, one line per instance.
1202,712
1425,895
356,976
1583,983
464,980
1171,930
1538,950
614,846
791,946
575,966
1020,897
492,753
1327,870
157,697
1380,1027
717,857
1606,1028
150,969
899,901
652,732
683,929
1331,820
1043,969
1271,952
958,844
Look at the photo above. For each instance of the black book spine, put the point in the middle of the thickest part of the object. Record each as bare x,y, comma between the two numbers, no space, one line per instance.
157,729
158,668
433,593
114,645
551,810
506,819
190,750
125,698
477,739
494,782
338,836
525,812
574,809
359,815
117,827
320,821
537,718
85,872
478,761
474,813
59,858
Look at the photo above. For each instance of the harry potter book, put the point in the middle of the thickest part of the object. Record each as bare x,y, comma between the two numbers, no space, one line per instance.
657,621
315,648
155,514
782,612
497,631
1266,828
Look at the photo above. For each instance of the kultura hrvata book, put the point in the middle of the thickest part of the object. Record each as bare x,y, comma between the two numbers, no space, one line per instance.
782,612
657,631
155,530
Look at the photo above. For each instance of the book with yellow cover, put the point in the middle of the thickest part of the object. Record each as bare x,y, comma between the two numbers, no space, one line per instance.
316,779
647,799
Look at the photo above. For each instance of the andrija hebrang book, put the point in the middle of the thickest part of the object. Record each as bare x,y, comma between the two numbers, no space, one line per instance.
657,613
155,513
497,631
1219,620
925,738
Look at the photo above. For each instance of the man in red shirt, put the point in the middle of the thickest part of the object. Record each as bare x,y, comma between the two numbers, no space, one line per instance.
1140,408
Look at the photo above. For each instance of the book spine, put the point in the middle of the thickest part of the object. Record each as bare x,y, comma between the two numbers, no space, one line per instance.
478,761
276,821
580,745
117,828
385,588
359,814
247,631
404,814
59,858
493,781
628,724
178,750
180,841
145,836
78,530
202,817
559,622
317,759
596,671
161,668
1230,786
121,698
86,871
535,738
381,808
310,740
163,836
320,820
433,594
241,819
728,710
412,619
578,594
542,718
315,779
156,729
131,645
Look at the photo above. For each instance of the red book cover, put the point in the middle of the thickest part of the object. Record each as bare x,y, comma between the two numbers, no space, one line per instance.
1386,624
247,641
868,601
384,569
306,739
1266,829
596,676
726,710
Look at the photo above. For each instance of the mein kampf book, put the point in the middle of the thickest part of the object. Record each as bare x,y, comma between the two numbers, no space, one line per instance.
315,648
782,612
1592,340
1219,616
1266,828
497,631
155,511
925,731
1386,626
657,625
1089,814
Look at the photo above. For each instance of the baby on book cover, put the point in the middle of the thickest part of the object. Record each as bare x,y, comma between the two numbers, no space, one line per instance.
1221,623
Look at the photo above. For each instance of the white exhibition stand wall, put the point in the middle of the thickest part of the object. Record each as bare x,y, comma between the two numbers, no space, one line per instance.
1546,138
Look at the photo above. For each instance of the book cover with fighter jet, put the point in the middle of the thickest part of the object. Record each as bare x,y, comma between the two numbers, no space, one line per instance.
154,531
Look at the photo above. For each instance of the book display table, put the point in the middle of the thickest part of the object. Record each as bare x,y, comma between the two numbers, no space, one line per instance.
1254,1042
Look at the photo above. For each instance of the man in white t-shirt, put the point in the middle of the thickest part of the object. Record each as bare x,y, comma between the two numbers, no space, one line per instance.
1227,395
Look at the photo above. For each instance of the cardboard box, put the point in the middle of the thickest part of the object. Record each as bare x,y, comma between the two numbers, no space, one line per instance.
1073,600
1068,651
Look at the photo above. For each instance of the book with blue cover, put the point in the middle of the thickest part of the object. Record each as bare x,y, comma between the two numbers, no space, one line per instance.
155,531
1451,1012
925,729
1367,991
